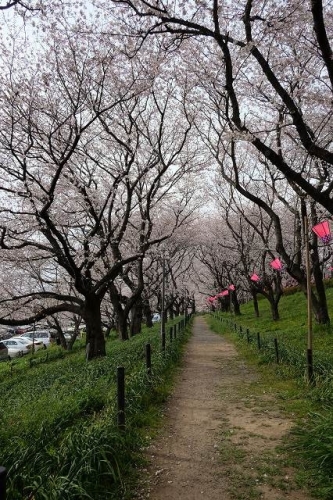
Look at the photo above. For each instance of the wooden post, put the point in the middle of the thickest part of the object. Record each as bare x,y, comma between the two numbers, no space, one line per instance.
121,397
309,359
3,477
87,351
148,358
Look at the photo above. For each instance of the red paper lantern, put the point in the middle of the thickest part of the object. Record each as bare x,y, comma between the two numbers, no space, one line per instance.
323,231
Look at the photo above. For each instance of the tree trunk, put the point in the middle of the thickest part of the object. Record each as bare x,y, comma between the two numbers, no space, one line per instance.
255,304
319,307
122,325
273,294
193,306
319,302
274,310
136,318
95,342
60,334
235,304
171,311
147,313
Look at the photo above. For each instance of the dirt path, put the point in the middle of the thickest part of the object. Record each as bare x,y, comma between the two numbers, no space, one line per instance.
219,441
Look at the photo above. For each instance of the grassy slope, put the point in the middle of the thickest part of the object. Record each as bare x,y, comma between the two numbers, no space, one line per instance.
292,326
311,406
58,433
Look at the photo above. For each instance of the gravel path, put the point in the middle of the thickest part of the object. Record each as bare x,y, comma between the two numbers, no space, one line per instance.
219,441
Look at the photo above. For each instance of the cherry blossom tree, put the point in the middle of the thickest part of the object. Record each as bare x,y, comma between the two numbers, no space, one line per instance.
268,63
90,149
282,206
138,290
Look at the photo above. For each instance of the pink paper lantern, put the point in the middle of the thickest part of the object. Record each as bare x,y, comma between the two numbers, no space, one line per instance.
255,277
224,293
323,231
232,287
211,299
276,264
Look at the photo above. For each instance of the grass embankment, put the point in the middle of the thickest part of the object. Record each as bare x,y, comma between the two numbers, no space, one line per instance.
59,436
311,405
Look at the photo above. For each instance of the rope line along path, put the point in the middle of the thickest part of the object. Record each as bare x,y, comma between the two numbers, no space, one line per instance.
217,436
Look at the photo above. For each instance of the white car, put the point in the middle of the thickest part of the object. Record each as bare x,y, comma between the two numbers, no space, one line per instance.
37,343
16,347
44,336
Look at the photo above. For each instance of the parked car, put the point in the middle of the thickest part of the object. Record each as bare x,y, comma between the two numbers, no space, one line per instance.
17,330
16,347
37,343
43,335
3,352
156,317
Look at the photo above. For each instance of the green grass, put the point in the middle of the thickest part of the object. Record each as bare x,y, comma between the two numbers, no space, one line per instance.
292,325
59,436
311,406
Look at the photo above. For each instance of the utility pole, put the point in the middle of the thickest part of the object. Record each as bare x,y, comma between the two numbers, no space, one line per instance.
308,293
163,306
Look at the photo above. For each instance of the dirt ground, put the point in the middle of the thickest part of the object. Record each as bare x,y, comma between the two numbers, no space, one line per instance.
219,441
